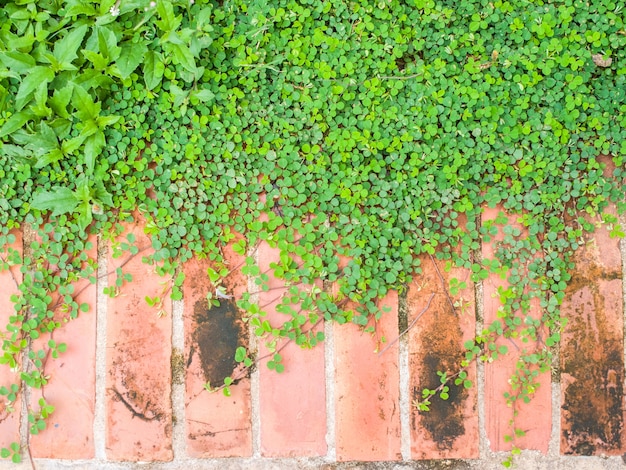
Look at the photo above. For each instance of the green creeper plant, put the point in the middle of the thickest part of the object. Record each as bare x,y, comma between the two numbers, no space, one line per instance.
353,136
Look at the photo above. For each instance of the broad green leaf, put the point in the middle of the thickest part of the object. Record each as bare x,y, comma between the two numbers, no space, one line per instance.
35,78
65,49
49,158
86,109
43,141
168,22
60,99
203,95
17,61
130,57
181,55
107,44
93,146
80,7
153,69
99,62
104,121
15,122
59,201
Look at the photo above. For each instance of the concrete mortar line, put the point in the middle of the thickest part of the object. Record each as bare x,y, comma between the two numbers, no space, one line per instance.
99,421
255,398
555,383
484,448
329,370
622,248
405,402
405,386
28,236
179,446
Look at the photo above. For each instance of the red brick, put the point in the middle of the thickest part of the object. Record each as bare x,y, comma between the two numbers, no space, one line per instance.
217,426
450,428
592,351
293,403
71,389
9,422
139,347
535,418
367,389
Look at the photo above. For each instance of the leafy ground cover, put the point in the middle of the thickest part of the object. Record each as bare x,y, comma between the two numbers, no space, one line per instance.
369,130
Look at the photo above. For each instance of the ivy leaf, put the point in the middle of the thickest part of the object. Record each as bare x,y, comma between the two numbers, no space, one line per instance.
153,69
131,56
65,50
59,201
35,78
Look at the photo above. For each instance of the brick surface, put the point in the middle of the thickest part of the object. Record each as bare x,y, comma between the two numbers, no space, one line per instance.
139,347
71,389
592,352
9,422
367,390
534,418
293,403
450,428
216,425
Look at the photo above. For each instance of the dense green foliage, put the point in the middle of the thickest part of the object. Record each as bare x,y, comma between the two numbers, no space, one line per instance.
371,130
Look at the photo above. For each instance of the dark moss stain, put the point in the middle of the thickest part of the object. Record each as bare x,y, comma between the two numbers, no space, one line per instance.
445,420
592,410
218,332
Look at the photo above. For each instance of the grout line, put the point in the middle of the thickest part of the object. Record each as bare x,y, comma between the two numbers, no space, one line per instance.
255,398
622,248
179,446
405,402
405,380
555,384
99,421
329,367
484,448
28,236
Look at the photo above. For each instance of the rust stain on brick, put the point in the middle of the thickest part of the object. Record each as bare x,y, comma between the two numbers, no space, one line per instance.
445,420
592,361
217,334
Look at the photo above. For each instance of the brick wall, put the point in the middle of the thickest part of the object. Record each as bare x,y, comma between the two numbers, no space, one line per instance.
130,387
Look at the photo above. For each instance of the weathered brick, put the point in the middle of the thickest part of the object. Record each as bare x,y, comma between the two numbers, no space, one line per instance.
293,403
139,348
9,279
217,426
71,389
367,389
592,351
446,322
535,418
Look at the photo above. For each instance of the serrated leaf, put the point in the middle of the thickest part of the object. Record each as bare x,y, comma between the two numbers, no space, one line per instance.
203,95
65,50
168,22
93,145
15,122
60,99
98,61
181,55
153,69
17,61
35,78
86,109
107,44
131,56
59,201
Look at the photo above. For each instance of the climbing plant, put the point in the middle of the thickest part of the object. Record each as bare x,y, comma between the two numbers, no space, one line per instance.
354,136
